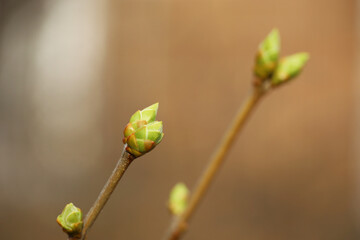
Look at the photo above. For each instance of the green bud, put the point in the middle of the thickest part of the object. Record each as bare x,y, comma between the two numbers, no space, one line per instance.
147,114
267,55
289,67
143,132
178,199
71,220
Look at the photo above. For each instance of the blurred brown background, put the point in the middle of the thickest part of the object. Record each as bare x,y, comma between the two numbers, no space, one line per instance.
72,73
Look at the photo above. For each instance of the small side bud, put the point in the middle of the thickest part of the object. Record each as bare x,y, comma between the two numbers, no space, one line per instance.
143,132
267,55
178,199
71,220
289,67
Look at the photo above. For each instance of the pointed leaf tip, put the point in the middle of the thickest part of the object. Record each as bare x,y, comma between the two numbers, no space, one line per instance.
135,117
289,67
267,55
155,106
149,113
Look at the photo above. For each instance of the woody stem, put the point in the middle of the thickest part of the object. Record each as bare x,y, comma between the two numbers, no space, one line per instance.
178,224
118,172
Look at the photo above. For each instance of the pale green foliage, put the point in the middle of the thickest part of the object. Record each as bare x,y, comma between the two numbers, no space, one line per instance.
143,132
178,199
71,219
289,67
267,55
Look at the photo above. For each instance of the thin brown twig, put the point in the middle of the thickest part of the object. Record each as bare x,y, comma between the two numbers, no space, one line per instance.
179,224
121,166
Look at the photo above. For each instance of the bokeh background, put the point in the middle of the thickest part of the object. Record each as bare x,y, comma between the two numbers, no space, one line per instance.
72,73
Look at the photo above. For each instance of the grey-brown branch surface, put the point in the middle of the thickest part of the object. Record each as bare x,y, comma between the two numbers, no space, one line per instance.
179,223
123,163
